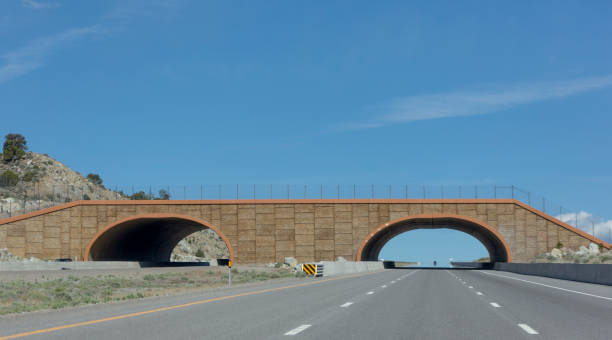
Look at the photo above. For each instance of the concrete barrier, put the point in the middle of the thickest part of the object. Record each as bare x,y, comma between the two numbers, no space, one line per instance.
591,273
331,268
91,265
473,265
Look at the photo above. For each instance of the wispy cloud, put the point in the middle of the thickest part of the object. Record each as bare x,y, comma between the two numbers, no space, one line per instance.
457,104
32,56
38,5
589,223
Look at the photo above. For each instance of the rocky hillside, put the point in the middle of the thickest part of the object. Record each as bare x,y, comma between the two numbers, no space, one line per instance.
42,182
201,246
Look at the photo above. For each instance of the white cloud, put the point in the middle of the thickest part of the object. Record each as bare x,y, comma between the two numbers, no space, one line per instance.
588,223
32,56
39,5
457,104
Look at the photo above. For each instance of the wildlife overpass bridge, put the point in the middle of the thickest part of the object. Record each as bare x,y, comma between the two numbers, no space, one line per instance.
262,231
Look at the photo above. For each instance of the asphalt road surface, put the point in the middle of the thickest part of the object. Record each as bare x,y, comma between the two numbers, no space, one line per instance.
392,304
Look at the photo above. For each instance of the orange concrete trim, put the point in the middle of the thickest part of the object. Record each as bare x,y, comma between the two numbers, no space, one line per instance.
39,212
563,224
136,217
435,216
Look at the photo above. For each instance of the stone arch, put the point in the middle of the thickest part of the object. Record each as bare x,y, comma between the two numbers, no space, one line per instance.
146,237
499,250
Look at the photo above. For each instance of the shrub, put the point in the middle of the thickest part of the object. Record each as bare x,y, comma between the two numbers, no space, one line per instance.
559,245
199,253
86,197
14,147
29,176
139,196
95,179
164,195
8,179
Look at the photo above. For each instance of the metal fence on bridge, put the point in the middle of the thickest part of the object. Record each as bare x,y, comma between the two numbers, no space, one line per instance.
31,197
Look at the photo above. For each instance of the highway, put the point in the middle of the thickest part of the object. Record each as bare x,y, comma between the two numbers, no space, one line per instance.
390,304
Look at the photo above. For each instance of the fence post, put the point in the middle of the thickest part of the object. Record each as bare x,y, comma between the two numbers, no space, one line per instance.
237,190
305,186
372,193
389,191
442,191
475,191
288,191
544,205
354,192
460,191
495,191
513,191
219,191
338,195
406,191
424,195
254,191
201,191
529,198
321,191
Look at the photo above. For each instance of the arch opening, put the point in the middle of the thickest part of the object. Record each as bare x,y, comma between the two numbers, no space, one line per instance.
498,249
146,238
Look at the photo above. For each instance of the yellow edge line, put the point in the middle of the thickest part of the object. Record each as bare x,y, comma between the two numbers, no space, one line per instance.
163,309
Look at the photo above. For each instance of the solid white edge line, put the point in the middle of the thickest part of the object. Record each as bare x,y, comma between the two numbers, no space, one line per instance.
549,286
495,304
297,330
527,329
346,304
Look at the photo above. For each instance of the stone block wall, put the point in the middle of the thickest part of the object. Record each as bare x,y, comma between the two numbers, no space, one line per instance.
268,231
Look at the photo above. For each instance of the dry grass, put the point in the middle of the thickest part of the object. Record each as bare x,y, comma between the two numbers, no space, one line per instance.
25,296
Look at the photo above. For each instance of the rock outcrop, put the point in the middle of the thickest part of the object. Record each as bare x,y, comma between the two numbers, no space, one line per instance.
591,254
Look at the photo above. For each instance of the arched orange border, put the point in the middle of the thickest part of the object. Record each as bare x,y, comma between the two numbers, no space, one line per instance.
434,216
150,216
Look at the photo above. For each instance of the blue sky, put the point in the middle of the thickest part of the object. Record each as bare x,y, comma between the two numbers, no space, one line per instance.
190,92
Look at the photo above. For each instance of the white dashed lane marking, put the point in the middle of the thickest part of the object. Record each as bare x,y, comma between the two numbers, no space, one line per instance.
478,293
383,286
369,293
470,287
527,329
495,304
346,304
297,330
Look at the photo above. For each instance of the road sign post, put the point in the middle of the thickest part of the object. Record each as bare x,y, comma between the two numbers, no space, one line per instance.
229,273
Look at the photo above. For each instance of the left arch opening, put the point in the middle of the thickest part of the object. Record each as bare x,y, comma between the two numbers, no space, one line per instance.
145,238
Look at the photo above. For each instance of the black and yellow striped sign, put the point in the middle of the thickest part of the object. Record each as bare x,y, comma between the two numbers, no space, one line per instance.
310,269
